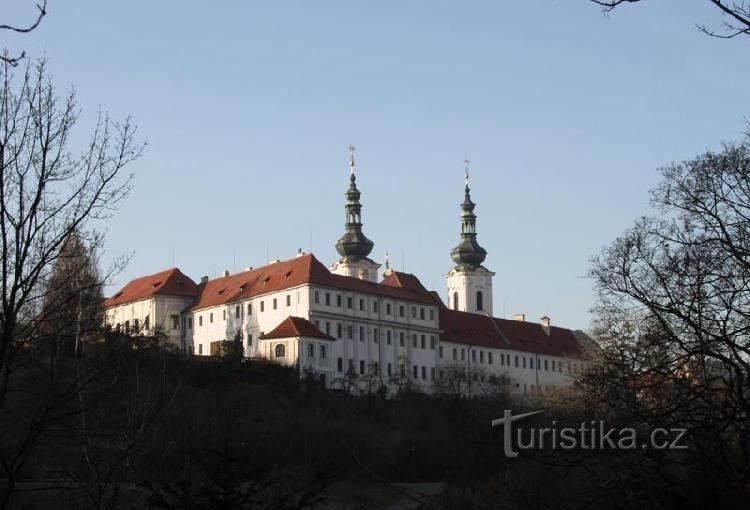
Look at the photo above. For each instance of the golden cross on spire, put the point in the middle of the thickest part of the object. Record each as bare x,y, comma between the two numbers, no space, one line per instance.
352,148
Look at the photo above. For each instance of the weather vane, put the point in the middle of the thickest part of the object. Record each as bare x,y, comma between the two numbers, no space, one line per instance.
352,148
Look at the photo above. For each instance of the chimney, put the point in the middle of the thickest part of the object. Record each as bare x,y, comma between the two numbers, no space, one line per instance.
204,279
300,253
545,321
521,317
226,272
249,268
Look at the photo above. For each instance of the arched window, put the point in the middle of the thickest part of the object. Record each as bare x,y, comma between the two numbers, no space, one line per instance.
455,300
480,300
280,351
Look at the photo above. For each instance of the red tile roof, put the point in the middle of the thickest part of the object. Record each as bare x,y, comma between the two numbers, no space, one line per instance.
171,282
303,269
292,327
484,331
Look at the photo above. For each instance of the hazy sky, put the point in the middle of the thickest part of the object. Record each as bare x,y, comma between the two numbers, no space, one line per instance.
248,108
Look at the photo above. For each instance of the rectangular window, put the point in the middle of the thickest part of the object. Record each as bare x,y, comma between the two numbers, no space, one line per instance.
416,371
473,356
361,334
432,314
340,364
274,303
400,310
362,367
190,323
339,331
390,368
432,342
414,341
328,328
322,351
489,358
455,357
262,306
200,320
338,300
200,348
249,308
440,351
481,356
211,317
249,339
422,341
317,323
553,365
463,355
375,335
432,373
424,373
349,329
362,305
388,308
223,315
375,368
388,337
328,299
349,302
546,364
531,363
413,312
317,297
237,312
288,300
516,361
401,339
421,313
524,361
375,306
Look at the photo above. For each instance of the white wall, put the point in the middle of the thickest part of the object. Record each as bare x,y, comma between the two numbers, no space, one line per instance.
157,309
466,284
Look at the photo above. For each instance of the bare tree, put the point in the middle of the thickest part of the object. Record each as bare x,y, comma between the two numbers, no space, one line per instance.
674,308
49,194
736,16
41,13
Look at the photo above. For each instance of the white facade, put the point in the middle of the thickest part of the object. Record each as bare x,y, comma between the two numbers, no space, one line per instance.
519,372
364,269
250,318
470,290
155,314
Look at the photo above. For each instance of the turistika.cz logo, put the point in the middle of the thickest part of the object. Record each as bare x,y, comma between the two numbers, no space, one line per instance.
591,435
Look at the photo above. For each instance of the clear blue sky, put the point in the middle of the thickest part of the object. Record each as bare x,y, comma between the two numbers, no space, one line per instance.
248,108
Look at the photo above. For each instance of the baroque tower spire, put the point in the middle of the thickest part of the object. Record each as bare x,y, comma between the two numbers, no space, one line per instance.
468,254
469,282
353,245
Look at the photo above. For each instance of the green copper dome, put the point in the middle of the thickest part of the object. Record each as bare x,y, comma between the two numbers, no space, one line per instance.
468,254
353,245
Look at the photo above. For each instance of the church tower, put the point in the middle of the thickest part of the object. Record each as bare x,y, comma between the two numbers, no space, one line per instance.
469,282
353,246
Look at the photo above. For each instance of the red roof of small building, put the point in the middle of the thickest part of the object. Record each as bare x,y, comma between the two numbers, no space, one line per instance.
171,282
293,327
485,331
303,269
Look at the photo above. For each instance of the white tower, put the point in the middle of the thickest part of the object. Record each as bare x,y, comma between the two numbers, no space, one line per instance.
469,282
